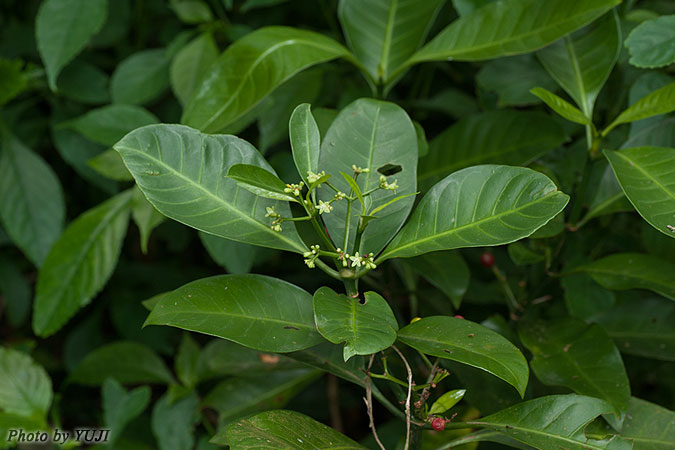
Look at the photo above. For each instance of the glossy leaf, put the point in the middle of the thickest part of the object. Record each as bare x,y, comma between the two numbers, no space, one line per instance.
447,401
109,164
622,271
305,140
141,77
561,106
80,263
125,361
261,182
109,124
365,328
120,407
190,64
652,43
383,34
250,69
510,27
582,357
581,62
641,326
445,270
32,209
286,429
649,426
661,101
173,422
252,310
146,218
25,387
647,177
63,28
482,206
494,137
182,172
369,134
553,422
469,343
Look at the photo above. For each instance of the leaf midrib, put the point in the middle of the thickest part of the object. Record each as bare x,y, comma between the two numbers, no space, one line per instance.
237,316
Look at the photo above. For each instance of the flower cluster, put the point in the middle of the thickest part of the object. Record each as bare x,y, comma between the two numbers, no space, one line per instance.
356,260
388,186
294,189
359,169
311,256
314,177
276,223
324,207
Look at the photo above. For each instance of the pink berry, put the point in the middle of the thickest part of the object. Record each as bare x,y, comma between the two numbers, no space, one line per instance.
487,259
438,424
457,316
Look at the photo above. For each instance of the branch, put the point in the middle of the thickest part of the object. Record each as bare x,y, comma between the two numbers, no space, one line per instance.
369,403
407,401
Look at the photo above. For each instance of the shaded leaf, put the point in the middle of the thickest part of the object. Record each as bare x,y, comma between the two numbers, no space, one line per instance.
235,257
15,291
141,77
173,422
511,78
121,407
652,43
109,164
25,387
649,426
661,101
190,64
84,83
445,270
109,124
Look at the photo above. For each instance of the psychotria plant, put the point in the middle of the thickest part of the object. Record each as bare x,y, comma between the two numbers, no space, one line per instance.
442,224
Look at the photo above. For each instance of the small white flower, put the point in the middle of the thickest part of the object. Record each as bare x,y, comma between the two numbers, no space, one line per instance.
314,177
340,195
388,186
315,249
294,189
356,260
310,263
324,207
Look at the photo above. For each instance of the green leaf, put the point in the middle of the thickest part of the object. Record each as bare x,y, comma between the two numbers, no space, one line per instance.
250,69
146,218
169,165
647,177
13,79
32,209
15,291
261,182
126,361
641,326
141,78
553,422
447,401
84,83
221,357
522,255
173,422
468,343
383,34
582,62
644,85
649,426
510,27
25,387
511,78
109,164
561,106
63,28
584,297
568,352
661,101
256,311
235,398
445,270
109,124
422,143
192,11
369,134
354,188
80,263
495,137
235,257
187,361
288,430
623,271
652,43
464,7
365,328
190,64
305,140
121,407
482,206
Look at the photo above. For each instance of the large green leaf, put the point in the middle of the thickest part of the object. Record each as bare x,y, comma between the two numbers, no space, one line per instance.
481,206
553,423
126,361
182,172
63,28
647,177
369,134
581,62
141,77
652,43
303,132
109,124
445,270
32,210
649,426
120,407
25,387
569,352
641,326
288,430
252,310
469,343
493,137
365,328
250,69
661,101
190,64
80,263
383,34
510,27
634,271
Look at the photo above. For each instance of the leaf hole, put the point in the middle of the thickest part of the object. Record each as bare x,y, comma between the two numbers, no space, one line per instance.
390,169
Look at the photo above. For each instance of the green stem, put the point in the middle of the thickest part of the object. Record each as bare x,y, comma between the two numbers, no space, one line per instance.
345,242
351,286
326,268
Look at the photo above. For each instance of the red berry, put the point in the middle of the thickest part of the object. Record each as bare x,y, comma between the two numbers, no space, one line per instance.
487,259
457,316
438,424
